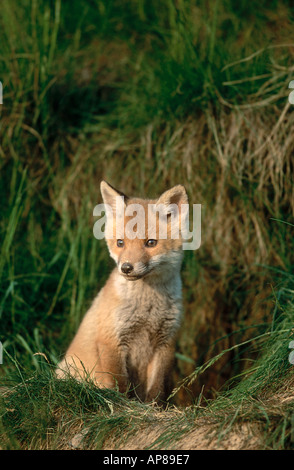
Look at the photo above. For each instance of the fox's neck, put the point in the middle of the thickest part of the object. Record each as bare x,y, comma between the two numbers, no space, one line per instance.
169,283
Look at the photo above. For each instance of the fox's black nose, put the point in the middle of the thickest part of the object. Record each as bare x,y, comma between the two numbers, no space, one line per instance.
127,268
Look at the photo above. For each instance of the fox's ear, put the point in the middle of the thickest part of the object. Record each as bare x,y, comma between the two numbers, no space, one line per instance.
176,195
109,194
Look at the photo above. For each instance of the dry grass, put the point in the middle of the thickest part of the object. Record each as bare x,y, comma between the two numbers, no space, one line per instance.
239,165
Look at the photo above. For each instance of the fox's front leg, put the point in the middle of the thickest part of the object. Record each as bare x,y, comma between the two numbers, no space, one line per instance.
158,373
111,368
101,360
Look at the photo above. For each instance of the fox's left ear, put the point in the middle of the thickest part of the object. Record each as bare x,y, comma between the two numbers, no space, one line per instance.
109,194
176,195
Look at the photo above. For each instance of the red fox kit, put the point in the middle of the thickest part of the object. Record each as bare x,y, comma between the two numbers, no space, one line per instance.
127,337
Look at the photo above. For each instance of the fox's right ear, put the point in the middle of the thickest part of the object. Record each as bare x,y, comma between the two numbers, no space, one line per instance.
109,194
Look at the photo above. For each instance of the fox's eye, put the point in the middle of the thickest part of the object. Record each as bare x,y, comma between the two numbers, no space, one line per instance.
120,243
151,243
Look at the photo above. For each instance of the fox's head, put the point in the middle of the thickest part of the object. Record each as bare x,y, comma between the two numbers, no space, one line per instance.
144,236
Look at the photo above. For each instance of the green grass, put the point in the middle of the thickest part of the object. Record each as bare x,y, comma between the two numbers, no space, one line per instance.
146,96
39,411
55,406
